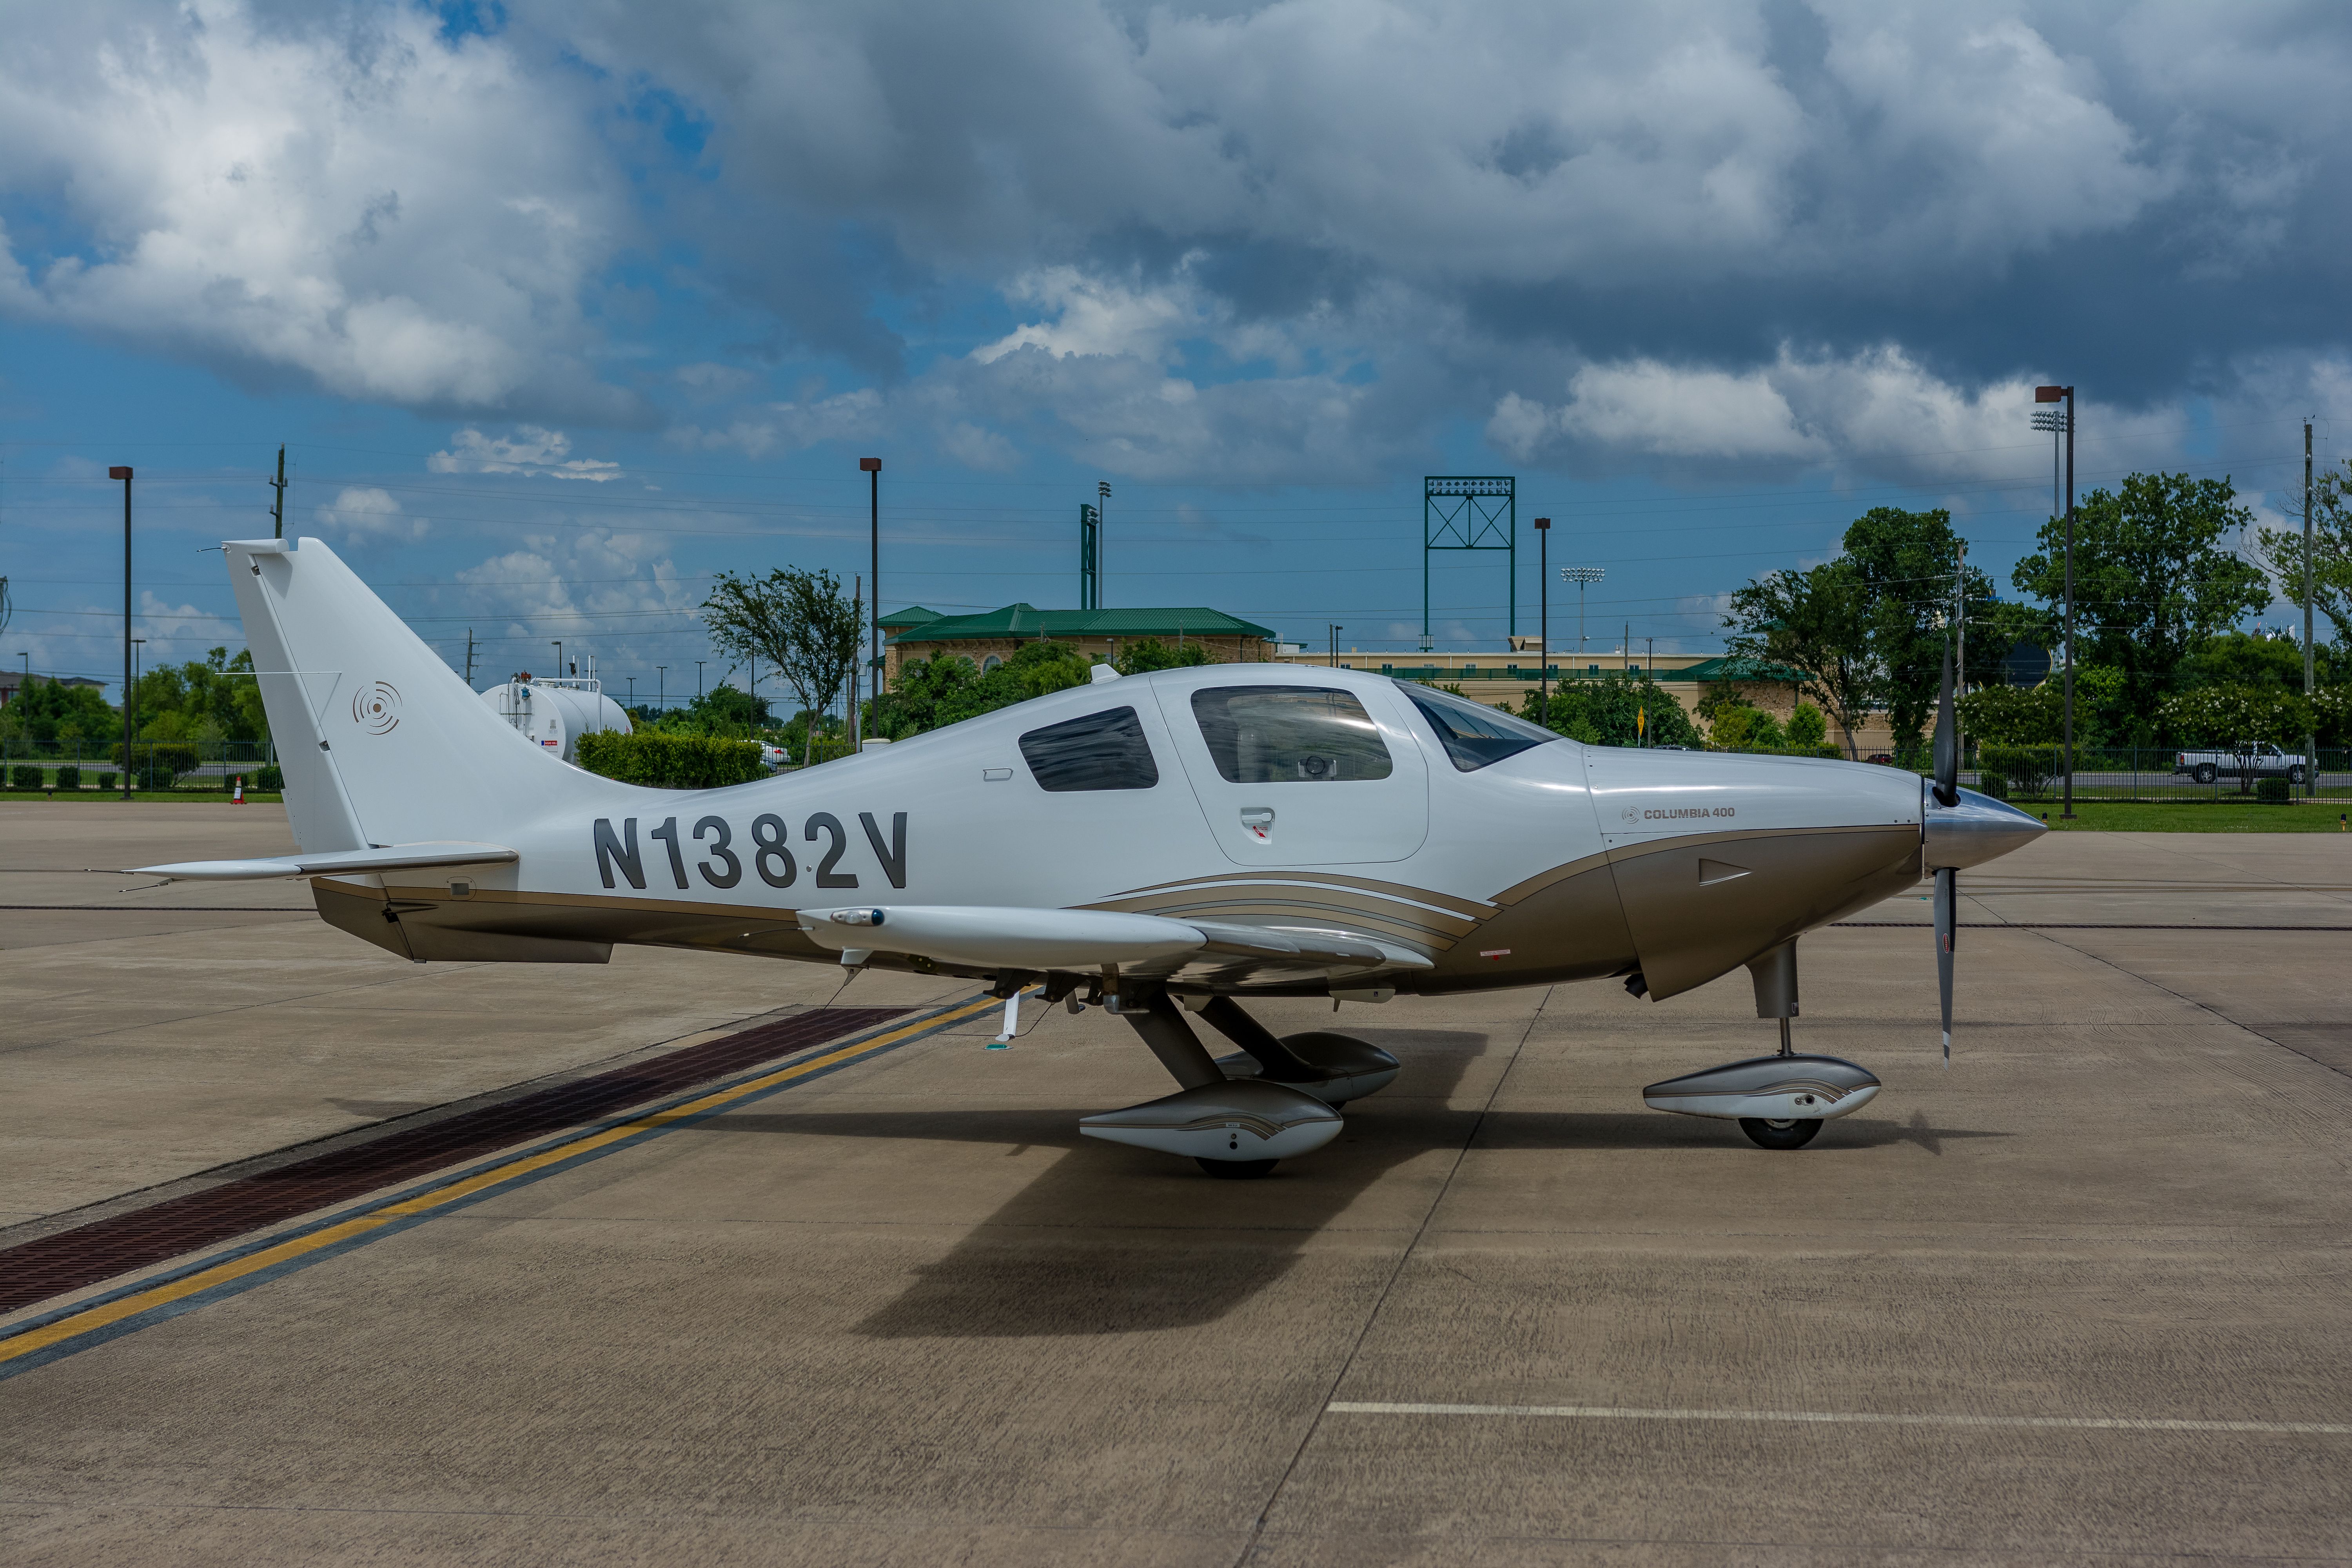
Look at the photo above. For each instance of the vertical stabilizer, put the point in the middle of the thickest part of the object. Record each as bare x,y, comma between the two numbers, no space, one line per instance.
380,741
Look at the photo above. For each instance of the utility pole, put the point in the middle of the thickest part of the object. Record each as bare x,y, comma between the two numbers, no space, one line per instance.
469,656
2066,394
1102,527
856,734
1335,630
124,475
661,688
277,503
697,681
2310,738
873,466
1960,611
1543,620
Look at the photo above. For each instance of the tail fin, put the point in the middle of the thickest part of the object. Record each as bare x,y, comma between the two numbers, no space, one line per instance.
380,743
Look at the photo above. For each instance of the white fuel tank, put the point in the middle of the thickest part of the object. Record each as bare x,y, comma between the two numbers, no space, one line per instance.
556,714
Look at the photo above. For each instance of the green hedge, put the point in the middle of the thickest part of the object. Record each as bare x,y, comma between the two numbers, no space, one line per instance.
70,777
158,764
2276,791
2024,770
670,761
25,776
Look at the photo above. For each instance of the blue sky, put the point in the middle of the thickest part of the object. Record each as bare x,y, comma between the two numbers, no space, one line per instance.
561,308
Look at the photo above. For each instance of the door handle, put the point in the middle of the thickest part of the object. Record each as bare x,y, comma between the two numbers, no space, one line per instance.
1259,820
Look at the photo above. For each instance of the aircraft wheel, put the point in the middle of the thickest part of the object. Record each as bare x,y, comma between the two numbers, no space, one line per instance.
1780,1134
1239,1170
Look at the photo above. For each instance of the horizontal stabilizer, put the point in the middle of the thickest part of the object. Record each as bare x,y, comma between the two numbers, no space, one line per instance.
335,863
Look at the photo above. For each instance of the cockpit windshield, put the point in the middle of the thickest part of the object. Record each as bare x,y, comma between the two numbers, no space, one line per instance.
1473,733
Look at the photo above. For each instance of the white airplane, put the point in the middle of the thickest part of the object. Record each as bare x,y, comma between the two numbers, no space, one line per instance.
1182,840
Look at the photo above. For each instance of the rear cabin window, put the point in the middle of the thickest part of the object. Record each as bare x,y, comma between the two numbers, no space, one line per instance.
1101,750
1473,733
1289,734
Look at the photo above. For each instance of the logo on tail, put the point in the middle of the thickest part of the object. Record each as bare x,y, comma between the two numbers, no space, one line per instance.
376,708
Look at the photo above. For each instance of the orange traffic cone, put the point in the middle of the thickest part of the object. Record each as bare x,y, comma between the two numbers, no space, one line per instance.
239,798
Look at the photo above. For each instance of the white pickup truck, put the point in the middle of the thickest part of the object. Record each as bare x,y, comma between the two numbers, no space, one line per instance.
2263,761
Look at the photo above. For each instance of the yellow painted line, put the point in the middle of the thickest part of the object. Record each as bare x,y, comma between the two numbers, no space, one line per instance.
163,1295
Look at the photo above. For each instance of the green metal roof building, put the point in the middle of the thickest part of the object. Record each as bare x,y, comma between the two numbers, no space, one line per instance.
993,635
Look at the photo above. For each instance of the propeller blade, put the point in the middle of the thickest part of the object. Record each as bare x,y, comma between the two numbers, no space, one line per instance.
1947,740
1948,920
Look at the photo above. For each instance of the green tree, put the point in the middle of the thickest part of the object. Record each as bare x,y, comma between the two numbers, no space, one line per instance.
2237,718
725,712
1621,708
1820,623
1148,654
1744,727
59,718
2281,550
2240,658
948,688
799,622
2155,577
200,703
1904,563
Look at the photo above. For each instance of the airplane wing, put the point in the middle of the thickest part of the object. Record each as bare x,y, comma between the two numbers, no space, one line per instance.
338,863
1140,946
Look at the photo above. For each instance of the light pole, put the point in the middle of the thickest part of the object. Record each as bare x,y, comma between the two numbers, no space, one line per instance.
873,467
697,681
2054,395
1543,621
1581,575
633,694
138,657
1102,529
2311,737
558,658
1335,630
124,475
661,689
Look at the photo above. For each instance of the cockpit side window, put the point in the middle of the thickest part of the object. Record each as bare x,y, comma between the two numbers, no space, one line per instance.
1289,734
1101,750
1474,734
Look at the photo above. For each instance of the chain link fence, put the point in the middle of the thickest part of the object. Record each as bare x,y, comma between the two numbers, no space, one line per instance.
156,765
2023,773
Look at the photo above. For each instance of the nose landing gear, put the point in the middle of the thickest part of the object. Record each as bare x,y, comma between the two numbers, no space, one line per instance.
1779,1101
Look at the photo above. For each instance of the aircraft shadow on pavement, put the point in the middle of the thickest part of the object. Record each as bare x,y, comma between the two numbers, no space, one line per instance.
1118,1240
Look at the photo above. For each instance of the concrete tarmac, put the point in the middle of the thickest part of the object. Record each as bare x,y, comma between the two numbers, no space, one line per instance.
2082,1297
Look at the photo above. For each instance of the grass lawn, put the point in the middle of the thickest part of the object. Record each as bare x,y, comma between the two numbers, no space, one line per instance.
2191,816
216,796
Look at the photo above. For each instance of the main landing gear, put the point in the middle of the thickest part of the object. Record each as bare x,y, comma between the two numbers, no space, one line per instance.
1241,1115
1782,1100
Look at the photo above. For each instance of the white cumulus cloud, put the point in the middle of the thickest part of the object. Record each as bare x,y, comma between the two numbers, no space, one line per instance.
368,515
532,449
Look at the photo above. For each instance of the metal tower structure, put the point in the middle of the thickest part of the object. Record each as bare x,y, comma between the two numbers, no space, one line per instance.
1469,512
1089,559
